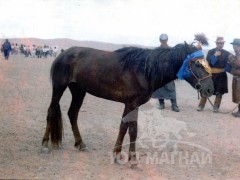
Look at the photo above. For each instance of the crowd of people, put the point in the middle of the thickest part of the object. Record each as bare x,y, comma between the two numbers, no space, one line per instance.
38,51
221,62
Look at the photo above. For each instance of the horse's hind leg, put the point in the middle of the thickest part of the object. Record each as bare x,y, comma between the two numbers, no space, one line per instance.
77,99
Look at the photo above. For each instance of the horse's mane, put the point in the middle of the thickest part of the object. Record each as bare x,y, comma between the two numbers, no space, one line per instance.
154,63
164,61
133,57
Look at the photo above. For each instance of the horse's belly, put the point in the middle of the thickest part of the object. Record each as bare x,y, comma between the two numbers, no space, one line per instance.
109,93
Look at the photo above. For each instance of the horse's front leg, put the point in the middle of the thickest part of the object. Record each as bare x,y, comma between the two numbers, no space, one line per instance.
129,119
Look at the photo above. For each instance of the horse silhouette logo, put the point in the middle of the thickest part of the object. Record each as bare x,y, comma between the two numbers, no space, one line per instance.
159,131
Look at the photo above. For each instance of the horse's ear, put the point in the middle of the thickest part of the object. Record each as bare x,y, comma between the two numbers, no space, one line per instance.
186,46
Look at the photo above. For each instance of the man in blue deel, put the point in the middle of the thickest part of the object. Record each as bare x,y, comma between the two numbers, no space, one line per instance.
6,49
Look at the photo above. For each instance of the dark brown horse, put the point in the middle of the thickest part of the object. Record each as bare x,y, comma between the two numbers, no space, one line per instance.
129,75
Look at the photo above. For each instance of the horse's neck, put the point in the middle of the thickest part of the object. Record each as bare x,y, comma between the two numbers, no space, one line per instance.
170,75
164,79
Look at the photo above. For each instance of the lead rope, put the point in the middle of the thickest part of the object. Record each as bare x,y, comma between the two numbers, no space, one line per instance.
227,111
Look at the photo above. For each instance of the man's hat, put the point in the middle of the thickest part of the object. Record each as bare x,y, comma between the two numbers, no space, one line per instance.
220,39
163,37
236,41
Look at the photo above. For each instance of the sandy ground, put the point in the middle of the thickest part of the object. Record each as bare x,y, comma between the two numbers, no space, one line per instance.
192,145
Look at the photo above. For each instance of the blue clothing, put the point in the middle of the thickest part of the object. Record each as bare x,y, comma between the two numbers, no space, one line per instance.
184,70
213,60
7,46
6,49
6,53
227,68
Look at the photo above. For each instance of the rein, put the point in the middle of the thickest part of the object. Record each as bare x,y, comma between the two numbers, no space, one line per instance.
227,111
199,87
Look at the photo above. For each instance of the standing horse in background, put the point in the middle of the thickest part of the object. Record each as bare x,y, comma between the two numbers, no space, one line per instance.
129,75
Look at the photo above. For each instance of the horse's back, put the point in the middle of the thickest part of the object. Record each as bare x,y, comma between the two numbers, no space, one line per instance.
101,73
86,54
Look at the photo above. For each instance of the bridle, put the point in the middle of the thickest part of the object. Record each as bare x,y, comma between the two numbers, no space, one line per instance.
198,86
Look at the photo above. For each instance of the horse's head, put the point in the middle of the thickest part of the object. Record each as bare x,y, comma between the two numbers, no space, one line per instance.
196,70
200,77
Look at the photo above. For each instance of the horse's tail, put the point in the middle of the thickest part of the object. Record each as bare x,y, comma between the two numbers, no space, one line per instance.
54,120
60,73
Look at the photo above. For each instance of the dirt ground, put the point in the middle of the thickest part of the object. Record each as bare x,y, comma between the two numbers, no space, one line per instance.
208,145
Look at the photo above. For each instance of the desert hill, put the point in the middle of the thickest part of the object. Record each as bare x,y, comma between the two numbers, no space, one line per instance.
65,43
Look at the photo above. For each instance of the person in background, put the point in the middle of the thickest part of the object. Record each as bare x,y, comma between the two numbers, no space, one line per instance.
168,91
234,62
218,61
6,49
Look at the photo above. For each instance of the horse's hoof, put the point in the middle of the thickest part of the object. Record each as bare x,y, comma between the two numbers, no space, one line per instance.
117,158
135,167
55,146
83,147
119,161
133,159
45,150
45,143
133,162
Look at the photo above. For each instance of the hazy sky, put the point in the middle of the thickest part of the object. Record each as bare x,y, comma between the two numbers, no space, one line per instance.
121,21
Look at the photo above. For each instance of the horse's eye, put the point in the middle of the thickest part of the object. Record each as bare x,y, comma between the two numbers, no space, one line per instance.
197,64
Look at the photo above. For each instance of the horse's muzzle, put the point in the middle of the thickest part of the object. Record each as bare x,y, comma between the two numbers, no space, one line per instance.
207,92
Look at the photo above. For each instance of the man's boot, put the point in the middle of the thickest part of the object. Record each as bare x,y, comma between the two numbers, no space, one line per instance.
237,114
202,103
174,105
161,104
217,103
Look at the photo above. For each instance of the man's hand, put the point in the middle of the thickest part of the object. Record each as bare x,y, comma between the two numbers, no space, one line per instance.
231,58
217,53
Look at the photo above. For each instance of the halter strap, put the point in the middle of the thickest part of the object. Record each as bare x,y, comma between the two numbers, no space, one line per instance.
198,79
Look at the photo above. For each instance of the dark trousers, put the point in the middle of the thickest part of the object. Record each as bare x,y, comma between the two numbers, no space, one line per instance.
6,53
173,101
